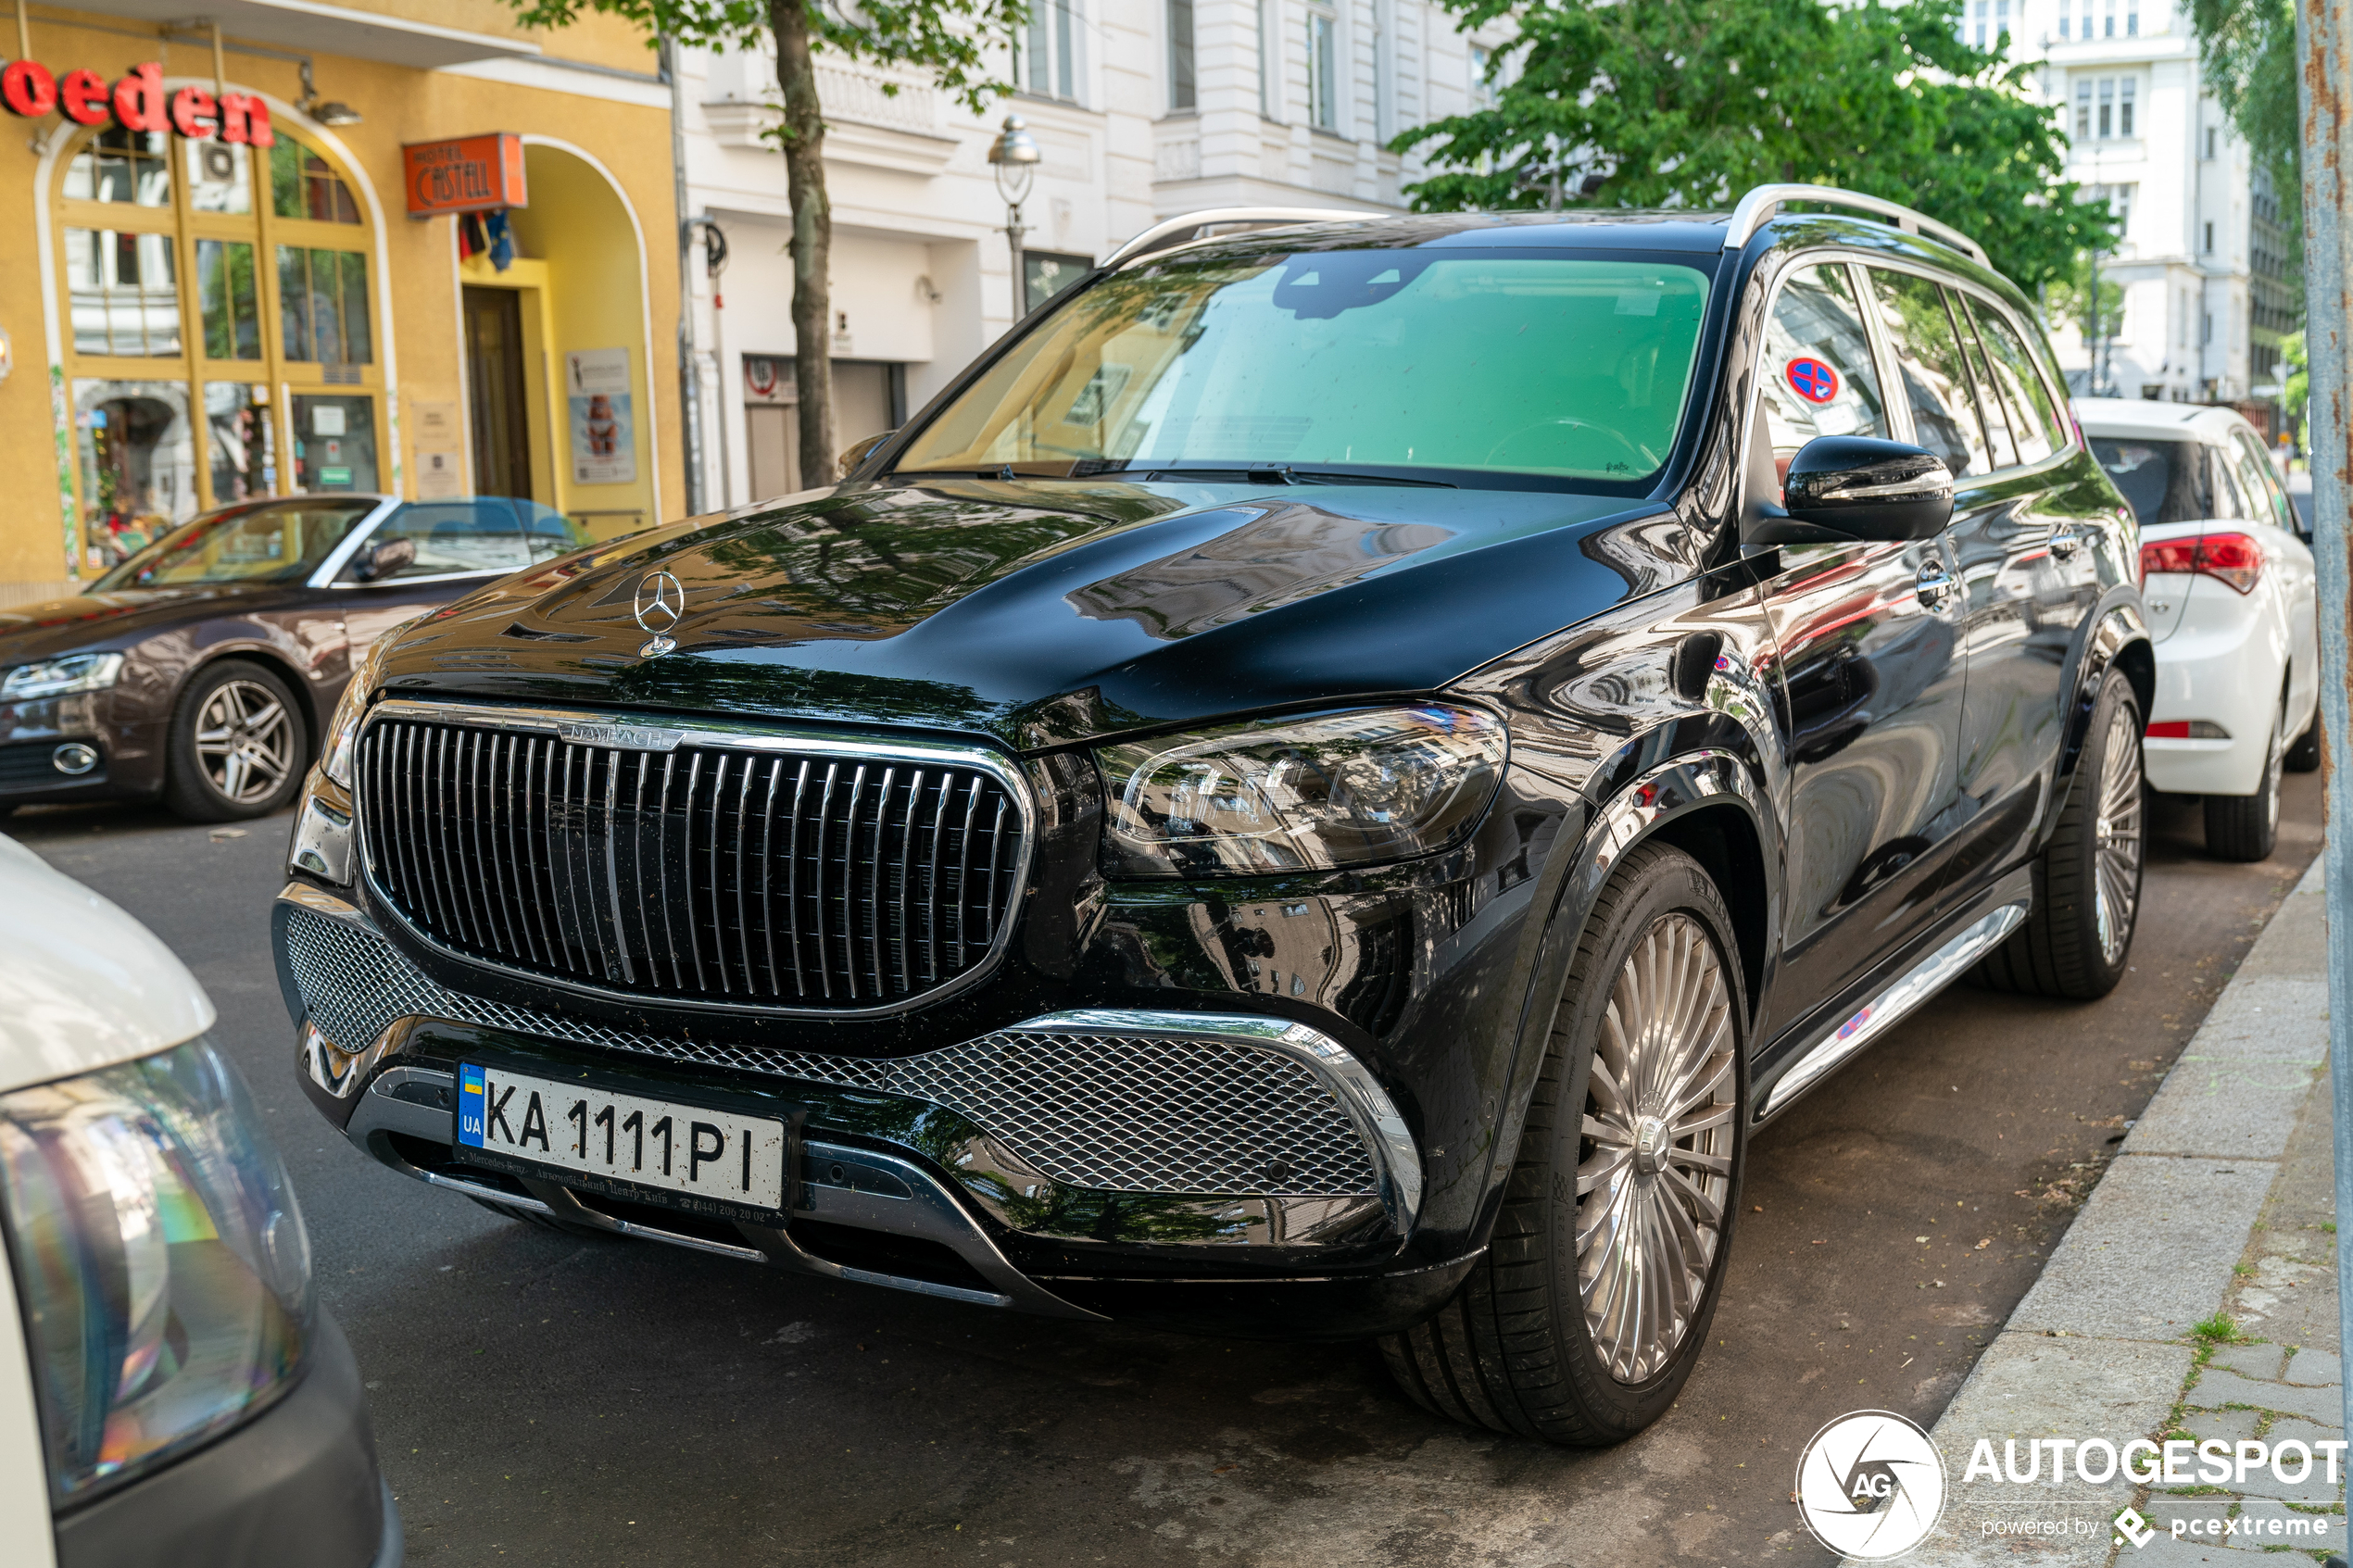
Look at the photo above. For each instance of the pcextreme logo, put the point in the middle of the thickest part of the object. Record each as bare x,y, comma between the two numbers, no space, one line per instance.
1871,1485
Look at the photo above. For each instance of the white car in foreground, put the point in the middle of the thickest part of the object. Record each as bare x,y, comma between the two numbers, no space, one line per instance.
170,1393
2229,584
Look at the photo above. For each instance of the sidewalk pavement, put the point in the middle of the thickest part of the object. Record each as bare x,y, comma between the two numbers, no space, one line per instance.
2221,1201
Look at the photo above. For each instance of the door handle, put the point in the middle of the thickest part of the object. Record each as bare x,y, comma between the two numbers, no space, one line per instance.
2067,538
1935,586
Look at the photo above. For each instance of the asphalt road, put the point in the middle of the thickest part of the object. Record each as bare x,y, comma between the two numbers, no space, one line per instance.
542,1399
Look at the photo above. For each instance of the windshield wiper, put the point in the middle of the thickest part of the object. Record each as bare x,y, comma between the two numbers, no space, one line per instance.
1283,473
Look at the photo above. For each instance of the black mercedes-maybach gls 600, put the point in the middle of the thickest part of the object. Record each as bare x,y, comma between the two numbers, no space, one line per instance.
1324,787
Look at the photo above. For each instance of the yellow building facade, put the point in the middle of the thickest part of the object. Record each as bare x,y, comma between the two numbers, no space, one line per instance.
217,288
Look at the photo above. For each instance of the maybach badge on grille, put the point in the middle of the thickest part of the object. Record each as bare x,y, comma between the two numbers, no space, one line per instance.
622,737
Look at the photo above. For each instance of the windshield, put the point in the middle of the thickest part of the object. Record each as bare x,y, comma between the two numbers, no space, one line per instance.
2162,480
1350,360
270,542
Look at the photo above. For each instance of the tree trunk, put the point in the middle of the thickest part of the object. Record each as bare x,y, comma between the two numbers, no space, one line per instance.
812,239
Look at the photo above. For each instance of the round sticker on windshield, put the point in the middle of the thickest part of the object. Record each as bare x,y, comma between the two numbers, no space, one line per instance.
1812,380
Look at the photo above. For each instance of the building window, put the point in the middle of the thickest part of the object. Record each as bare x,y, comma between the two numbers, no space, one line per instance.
1982,8
2119,201
1046,58
2001,23
213,292
2209,246
2083,108
2107,18
2108,108
1323,71
1482,91
1267,35
2124,106
1182,91
2209,143
2131,18
2066,19
2117,99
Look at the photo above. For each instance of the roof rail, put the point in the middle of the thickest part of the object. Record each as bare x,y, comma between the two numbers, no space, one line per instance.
1173,231
1758,207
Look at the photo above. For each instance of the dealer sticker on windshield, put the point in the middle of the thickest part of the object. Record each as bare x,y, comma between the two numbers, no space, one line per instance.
577,1127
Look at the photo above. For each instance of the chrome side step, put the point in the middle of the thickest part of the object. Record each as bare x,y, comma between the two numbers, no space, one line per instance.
1933,974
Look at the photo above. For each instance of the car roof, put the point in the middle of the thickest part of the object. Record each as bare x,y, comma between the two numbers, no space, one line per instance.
2137,416
83,986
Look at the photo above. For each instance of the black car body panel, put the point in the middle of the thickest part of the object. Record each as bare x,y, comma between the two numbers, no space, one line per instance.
1768,710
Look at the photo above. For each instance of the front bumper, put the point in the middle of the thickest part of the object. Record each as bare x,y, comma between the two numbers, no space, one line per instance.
1228,1173
297,1484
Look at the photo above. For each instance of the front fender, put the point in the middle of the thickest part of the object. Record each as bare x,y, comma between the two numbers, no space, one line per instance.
2118,638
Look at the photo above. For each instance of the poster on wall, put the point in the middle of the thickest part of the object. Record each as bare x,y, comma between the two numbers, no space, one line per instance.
604,434
441,476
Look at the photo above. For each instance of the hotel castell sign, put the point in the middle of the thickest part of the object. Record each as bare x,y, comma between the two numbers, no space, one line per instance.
137,102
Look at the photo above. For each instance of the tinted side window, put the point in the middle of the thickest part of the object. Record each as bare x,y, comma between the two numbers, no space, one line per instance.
478,534
2230,501
1989,402
2261,481
1818,378
1928,358
2034,422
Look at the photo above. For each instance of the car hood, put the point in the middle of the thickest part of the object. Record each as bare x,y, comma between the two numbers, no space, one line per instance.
55,627
1042,612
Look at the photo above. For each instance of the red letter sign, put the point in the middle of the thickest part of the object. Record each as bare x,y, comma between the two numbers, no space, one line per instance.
30,89
138,98
245,120
192,110
84,96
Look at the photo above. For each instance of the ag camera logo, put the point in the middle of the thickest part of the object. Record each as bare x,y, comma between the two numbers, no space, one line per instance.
1871,1485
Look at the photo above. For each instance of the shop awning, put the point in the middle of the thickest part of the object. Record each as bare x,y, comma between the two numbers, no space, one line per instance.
315,29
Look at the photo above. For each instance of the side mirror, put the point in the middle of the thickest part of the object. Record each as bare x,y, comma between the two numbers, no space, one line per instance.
384,559
1855,487
857,452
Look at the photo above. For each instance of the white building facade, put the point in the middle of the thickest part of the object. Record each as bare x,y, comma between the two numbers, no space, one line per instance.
2201,261
1142,109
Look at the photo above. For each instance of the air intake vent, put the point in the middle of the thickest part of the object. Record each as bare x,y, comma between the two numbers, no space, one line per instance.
758,875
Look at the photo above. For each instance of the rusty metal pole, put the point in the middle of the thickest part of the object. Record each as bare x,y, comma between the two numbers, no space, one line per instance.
2324,95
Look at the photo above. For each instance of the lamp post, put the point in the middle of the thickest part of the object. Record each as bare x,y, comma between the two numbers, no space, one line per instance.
1013,157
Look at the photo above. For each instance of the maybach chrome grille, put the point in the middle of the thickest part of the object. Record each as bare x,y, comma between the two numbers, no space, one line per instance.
1126,1111
760,876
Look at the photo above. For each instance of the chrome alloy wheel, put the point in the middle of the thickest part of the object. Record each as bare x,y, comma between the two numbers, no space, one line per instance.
245,741
2118,834
1655,1167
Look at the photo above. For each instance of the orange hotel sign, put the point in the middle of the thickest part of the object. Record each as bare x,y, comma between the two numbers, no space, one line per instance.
470,174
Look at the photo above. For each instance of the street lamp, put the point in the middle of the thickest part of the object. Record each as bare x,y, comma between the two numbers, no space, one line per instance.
1013,157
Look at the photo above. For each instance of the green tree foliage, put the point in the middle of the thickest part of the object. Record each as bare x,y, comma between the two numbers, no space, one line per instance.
2295,376
2248,50
2069,300
953,39
1688,103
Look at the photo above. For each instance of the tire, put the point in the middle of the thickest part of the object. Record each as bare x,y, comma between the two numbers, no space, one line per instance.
227,737
2078,937
2304,756
545,1222
2245,827
1514,1349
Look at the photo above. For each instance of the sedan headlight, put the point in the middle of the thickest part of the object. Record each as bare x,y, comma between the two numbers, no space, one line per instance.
162,1262
343,730
56,677
1301,794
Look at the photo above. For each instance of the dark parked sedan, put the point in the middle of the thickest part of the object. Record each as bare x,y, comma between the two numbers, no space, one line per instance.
202,670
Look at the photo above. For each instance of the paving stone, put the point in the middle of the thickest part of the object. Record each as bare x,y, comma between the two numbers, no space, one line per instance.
2260,1361
2295,942
2316,1487
2224,1106
2320,1368
2228,1426
2152,1251
2220,1386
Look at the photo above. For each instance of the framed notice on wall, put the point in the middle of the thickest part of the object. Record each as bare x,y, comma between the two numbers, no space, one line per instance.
604,431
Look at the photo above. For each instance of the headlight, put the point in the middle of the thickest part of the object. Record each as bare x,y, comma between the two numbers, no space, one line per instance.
1333,789
160,1259
343,730
55,677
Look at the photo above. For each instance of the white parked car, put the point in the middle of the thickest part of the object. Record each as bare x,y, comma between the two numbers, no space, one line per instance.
2229,583
170,1393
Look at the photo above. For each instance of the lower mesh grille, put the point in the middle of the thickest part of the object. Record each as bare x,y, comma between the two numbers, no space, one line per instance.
1119,1113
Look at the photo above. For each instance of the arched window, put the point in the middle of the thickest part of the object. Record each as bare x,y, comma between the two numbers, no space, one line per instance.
222,341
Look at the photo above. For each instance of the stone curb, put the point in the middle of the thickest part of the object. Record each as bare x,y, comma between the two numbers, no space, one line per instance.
2102,1345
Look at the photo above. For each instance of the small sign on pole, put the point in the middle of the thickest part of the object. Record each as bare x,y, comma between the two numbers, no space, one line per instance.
469,174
